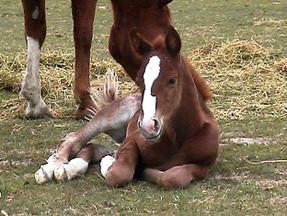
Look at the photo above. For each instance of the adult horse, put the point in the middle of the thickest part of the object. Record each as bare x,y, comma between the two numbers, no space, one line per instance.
169,131
149,17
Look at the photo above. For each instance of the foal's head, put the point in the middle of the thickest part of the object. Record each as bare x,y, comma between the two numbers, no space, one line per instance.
160,83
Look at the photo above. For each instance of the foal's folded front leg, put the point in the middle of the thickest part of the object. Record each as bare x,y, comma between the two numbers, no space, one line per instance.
120,171
175,177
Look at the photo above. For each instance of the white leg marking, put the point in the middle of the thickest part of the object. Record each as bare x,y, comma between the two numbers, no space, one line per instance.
76,167
151,73
32,81
31,86
105,164
35,13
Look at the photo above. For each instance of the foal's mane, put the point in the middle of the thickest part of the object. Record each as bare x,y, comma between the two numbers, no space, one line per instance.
200,83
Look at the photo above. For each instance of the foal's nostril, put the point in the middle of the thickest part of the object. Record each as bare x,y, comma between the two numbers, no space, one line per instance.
139,123
156,123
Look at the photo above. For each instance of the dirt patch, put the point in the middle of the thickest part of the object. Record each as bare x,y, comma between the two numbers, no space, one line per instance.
270,183
249,141
269,22
233,177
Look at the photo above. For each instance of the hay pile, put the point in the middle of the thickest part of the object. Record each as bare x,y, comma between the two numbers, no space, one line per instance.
247,80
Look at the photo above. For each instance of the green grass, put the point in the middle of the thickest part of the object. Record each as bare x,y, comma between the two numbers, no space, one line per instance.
234,186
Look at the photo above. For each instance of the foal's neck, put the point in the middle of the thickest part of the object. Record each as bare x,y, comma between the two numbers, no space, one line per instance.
189,118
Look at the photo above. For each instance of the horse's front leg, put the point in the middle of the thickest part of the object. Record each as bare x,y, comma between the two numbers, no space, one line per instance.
35,29
113,117
175,177
83,16
120,171
202,149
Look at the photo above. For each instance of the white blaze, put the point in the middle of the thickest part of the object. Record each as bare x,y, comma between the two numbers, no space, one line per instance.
151,73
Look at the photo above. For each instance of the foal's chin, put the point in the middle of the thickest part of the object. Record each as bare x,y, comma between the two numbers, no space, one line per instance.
153,138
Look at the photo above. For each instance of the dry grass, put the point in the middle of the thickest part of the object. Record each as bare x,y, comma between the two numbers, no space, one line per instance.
247,80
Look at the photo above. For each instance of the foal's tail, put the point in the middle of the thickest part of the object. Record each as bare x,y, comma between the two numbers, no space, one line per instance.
109,92
200,83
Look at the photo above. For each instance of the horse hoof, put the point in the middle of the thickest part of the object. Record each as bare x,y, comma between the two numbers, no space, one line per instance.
44,174
86,113
60,174
38,112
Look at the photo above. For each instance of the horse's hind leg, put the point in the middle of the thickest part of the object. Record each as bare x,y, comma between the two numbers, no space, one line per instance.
35,29
175,177
83,16
113,117
79,165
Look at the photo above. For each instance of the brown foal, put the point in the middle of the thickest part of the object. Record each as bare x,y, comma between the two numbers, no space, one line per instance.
173,136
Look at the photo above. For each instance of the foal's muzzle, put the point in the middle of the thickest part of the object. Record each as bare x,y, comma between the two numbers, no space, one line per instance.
151,128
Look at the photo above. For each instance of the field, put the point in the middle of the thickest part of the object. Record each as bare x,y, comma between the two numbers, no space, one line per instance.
238,46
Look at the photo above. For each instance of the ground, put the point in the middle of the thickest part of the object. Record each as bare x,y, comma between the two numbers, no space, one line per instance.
250,176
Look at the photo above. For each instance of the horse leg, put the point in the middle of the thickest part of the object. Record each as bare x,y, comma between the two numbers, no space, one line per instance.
201,147
113,117
175,177
120,171
83,16
79,165
35,29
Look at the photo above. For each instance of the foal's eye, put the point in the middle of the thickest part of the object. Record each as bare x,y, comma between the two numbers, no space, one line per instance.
172,81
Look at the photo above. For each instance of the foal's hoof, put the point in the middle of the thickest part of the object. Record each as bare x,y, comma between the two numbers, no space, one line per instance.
60,174
76,167
45,173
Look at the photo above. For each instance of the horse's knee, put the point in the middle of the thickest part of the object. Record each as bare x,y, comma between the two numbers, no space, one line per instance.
181,176
118,176
176,177
173,182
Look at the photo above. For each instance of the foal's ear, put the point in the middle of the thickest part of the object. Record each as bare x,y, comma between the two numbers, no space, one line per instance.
139,44
162,3
172,40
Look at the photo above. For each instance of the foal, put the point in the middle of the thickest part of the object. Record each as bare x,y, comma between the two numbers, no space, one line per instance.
173,136
169,130
149,17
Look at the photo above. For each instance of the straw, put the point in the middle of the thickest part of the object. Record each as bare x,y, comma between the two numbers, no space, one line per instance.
247,79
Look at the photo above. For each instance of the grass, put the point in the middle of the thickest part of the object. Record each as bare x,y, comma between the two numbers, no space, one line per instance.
235,186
